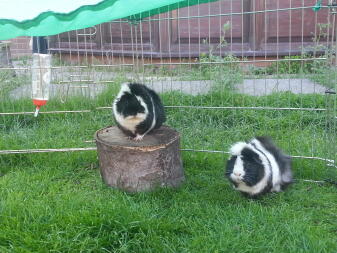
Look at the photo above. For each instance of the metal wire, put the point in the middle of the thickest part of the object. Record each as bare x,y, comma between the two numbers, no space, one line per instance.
180,63
47,112
230,14
195,57
32,151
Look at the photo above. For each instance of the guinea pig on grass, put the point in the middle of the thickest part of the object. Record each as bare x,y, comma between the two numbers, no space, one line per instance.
258,167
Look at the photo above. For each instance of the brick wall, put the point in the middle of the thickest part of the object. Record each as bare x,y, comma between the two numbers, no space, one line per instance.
20,47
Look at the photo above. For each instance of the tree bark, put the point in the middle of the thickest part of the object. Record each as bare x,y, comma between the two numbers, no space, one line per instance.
140,166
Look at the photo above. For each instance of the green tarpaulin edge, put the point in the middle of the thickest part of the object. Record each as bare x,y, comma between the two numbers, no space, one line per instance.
171,7
51,23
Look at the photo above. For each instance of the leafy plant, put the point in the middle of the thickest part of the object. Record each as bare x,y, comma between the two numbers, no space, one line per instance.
225,71
305,63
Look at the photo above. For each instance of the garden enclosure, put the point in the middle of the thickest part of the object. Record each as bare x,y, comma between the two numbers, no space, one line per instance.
226,70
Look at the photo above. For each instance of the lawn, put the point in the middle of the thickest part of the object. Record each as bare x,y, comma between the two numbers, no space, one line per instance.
56,202
62,206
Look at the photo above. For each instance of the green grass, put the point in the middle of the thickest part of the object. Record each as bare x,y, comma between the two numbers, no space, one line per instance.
62,206
56,202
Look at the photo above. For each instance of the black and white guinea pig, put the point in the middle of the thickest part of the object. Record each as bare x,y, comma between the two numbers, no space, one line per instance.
138,110
258,167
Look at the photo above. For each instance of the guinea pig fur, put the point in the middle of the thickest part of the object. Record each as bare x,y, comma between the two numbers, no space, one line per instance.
258,167
138,110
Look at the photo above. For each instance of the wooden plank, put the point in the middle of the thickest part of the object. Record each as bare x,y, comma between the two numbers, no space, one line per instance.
193,50
154,34
273,33
99,36
174,27
299,24
257,24
212,17
164,31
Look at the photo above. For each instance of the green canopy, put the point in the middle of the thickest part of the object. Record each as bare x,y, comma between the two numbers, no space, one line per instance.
55,20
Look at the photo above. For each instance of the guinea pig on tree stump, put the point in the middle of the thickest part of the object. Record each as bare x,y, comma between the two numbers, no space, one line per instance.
140,166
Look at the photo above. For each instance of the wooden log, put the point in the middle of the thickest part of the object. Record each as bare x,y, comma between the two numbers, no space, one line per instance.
140,166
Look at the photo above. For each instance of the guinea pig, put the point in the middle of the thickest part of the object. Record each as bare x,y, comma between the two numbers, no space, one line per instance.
138,110
258,167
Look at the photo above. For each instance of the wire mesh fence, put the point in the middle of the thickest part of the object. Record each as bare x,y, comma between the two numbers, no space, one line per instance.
226,71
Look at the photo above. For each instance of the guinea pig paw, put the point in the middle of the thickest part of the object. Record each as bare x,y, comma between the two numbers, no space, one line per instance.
276,188
138,137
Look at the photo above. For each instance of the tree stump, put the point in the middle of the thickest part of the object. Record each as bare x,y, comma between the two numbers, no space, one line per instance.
140,166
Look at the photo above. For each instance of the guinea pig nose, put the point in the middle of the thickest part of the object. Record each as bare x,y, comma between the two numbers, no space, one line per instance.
237,174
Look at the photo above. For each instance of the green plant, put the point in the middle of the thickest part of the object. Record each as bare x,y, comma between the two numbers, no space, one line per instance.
297,64
225,71
9,80
23,61
311,62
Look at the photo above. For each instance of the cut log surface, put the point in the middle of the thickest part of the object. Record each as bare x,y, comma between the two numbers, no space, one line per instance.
140,166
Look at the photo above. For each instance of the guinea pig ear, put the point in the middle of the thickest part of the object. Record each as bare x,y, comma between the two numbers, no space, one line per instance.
237,148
